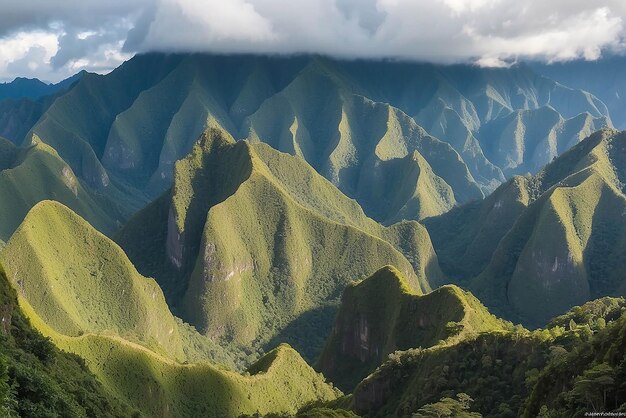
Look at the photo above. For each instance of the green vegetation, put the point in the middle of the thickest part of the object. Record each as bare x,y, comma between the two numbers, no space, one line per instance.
271,239
381,315
39,380
552,372
79,282
448,407
542,244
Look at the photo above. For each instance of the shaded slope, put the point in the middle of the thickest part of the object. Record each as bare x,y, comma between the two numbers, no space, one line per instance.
28,176
36,378
569,246
604,78
102,310
382,314
254,238
33,88
526,140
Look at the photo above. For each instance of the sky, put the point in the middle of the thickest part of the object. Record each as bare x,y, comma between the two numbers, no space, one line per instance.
53,39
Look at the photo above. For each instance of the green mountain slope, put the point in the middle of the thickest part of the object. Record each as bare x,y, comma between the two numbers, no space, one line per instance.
28,176
601,77
270,239
542,244
103,310
382,314
569,245
80,282
38,379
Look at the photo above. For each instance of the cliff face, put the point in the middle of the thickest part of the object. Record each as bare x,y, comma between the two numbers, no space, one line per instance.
381,315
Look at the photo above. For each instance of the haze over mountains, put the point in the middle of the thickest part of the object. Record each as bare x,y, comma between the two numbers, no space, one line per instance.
231,235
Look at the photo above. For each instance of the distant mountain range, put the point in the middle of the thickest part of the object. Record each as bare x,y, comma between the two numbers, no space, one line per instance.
347,119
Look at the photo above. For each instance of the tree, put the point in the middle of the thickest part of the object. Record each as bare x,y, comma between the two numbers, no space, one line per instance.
594,385
448,408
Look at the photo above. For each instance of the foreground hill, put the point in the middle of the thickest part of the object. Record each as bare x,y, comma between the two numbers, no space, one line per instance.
28,176
252,244
542,244
381,315
550,372
38,379
351,121
78,288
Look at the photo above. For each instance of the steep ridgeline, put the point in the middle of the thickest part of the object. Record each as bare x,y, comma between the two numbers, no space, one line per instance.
253,245
542,244
28,176
382,314
354,122
78,288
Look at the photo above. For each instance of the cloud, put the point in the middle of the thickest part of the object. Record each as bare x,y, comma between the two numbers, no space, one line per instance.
66,35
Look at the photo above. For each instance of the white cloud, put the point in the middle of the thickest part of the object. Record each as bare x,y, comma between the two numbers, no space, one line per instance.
92,34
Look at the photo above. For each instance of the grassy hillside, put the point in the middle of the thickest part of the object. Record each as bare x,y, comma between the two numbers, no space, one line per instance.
80,282
79,289
270,239
28,176
38,379
381,315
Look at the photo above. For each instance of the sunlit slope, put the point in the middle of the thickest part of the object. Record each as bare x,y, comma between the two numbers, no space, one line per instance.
279,382
256,239
28,176
555,238
80,282
381,314
44,380
79,289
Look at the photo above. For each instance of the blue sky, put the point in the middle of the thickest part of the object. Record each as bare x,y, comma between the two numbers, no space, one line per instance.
52,39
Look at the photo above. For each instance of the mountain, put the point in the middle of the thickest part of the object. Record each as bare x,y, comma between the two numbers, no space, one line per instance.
603,77
30,175
32,88
264,234
354,122
381,315
90,301
38,379
542,244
